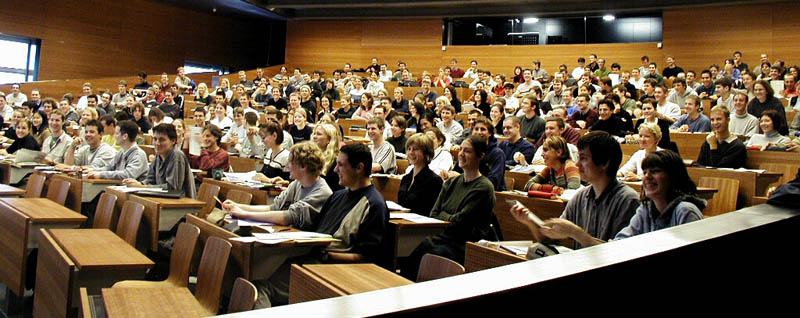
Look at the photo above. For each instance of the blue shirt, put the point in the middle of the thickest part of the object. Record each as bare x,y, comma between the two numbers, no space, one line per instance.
522,146
683,209
701,124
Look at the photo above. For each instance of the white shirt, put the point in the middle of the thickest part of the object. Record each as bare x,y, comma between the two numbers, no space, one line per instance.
385,76
634,164
670,110
16,100
222,124
577,72
442,161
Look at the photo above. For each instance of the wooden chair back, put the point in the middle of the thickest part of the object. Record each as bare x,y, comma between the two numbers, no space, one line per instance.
348,127
435,267
510,182
243,296
211,272
85,310
55,275
625,159
104,214
34,187
129,220
239,196
206,193
14,244
788,171
725,199
402,165
57,191
180,261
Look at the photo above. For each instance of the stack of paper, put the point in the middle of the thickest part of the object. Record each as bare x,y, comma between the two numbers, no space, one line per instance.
413,217
393,206
237,177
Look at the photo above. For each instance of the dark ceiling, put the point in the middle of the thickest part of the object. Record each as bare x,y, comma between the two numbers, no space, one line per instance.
345,9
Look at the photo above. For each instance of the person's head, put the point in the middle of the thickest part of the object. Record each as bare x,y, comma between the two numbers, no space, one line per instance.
649,136
511,127
763,90
92,132
706,78
108,123
483,127
39,120
199,114
379,112
740,100
164,138
720,118
305,158
367,101
23,128
138,111
775,72
600,156
652,68
56,121
26,108
64,106
375,128
583,101
770,121
420,149
212,135
527,74
271,134
328,138
660,93
126,132
692,104
399,126
665,177
426,84
300,118
48,104
87,88
473,150
496,113
35,96
555,149
605,108
649,108
353,165
88,114
238,116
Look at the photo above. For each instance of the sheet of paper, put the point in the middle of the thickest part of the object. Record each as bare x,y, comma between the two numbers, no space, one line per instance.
241,222
125,189
291,235
393,206
194,142
246,239
237,177
26,155
516,250
413,217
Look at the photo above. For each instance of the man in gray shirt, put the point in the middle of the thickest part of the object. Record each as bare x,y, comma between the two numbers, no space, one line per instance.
94,153
598,212
170,169
55,146
299,205
130,162
383,160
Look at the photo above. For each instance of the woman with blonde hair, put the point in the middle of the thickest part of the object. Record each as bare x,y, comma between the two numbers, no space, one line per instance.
202,95
419,188
561,172
649,137
329,139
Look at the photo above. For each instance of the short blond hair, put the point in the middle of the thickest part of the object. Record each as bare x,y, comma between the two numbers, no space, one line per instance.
308,155
422,142
653,128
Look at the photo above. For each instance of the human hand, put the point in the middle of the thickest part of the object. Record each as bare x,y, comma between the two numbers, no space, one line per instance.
132,183
228,205
558,229
520,158
684,128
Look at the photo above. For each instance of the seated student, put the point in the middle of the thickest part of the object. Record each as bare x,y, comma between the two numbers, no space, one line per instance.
14,120
517,150
400,103
398,137
276,157
357,216
93,153
721,148
419,189
247,105
329,139
87,114
108,131
451,128
497,115
531,123
300,131
41,126
140,119
649,114
769,126
606,121
55,146
220,118
156,116
299,205
383,159
467,202
169,107
276,116
276,99
554,126
364,111
649,135
598,212
24,139
237,132
71,117
584,117
346,111
693,121
212,156
252,147
170,169
199,116
743,123
560,173
764,100
130,162
442,160
670,196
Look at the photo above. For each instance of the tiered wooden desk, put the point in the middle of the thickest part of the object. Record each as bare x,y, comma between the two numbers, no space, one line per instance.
477,257
151,302
73,258
7,191
312,282
750,183
20,222
260,197
81,190
388,186
513,230
161,214
408,235
13,173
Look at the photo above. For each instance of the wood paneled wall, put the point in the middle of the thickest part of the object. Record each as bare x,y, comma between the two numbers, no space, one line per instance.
99,38
698,37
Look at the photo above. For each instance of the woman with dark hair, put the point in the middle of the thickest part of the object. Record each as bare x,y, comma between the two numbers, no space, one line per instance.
669,196
497,116
606,121
481,102
140,119
365,110
769,126
450,93
212,156
414,115
518,77
764,100
467,202
276,157
40,129
329,89
426,122
765,68
561,172
24,140
419,188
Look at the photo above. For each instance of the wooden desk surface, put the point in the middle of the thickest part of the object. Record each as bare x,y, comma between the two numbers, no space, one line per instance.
750,183
99,249
388,186
151,302
479,257
357,278
41,210
513,230
9,190
260,197
173,203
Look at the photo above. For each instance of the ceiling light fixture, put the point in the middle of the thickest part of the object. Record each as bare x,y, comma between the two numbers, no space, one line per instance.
608,17
530,20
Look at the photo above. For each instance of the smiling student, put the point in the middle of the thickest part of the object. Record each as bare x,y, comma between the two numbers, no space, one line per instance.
170,169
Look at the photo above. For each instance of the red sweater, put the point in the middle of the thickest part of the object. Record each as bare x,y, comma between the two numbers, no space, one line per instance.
208,161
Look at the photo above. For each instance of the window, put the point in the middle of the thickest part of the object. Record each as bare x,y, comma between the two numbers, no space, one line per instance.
19,59
194,67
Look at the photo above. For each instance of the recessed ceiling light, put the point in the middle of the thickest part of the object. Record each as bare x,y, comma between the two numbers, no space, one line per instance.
530,20
608,17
